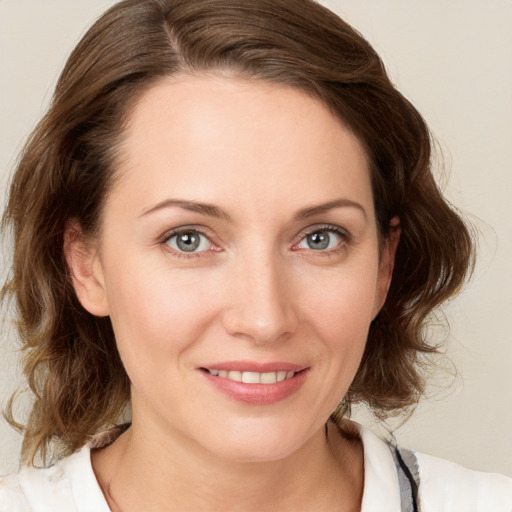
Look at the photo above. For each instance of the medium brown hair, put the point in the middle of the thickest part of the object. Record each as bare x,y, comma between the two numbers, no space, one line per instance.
66,171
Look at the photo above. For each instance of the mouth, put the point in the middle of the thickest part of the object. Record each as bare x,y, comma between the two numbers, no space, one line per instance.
252,377
256,383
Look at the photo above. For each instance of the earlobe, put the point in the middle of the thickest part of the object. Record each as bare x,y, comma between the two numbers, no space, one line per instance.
387,264
86,272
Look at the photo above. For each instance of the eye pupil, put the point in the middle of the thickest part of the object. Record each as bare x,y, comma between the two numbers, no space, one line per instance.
188,242
318,240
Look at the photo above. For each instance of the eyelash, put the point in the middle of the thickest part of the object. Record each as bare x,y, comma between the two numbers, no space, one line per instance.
166,237
345,237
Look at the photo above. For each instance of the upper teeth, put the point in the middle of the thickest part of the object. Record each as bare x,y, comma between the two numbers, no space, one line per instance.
253,377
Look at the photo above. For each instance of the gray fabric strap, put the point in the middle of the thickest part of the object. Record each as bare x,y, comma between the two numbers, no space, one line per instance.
408,478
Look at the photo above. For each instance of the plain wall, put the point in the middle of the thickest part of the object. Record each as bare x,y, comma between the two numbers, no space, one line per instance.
453,60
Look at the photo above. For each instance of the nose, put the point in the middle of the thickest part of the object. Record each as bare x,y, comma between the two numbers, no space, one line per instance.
261,302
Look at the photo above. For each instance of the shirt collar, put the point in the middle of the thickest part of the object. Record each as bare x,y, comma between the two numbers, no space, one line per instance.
381,489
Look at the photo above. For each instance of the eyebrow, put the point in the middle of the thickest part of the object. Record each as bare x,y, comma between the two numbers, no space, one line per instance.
331,205
193,206
214,211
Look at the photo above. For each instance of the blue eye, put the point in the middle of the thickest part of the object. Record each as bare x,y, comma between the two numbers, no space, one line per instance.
189,241
321,240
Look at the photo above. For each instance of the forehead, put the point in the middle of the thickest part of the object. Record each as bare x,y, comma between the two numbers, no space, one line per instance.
260,141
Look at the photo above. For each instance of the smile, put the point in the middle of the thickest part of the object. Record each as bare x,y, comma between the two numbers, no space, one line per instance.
252,377
243,383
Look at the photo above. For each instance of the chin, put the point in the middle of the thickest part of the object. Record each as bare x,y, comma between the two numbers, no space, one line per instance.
258,440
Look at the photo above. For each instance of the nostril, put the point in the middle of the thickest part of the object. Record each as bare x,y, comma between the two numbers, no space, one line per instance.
268,326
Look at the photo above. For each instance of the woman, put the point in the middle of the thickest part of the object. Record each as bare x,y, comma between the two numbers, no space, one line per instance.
227,222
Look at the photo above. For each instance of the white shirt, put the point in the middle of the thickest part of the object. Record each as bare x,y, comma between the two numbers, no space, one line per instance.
71,486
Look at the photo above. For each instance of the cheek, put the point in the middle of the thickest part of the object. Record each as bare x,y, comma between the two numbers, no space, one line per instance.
336,314
158,312
340,313
342,301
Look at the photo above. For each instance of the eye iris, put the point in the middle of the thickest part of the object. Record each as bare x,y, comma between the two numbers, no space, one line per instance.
318,240
188,242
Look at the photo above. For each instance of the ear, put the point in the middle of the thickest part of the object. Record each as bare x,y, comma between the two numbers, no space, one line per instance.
387,264
85,268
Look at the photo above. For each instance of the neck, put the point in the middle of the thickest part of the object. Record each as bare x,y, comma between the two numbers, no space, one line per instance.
139,474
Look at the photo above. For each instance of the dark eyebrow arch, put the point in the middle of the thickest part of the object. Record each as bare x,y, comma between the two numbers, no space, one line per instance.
325,207
214,211
193,206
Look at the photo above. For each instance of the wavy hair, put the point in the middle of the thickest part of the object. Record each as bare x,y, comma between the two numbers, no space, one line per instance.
66,170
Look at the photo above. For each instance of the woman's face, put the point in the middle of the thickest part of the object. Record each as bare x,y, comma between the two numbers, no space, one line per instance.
239,242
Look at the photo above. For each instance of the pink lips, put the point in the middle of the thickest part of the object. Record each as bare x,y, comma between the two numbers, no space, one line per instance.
257,394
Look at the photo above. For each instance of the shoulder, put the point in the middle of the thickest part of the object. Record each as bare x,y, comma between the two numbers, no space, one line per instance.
12,498
447,486
398,477
68,486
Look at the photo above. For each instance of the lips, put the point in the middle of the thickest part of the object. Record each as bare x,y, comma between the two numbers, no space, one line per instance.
256,383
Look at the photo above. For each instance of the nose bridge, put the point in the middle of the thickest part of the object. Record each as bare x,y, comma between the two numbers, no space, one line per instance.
261,305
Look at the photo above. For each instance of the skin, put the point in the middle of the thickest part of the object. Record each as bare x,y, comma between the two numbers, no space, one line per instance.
264,156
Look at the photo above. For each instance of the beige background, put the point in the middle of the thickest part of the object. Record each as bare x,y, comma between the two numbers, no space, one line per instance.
454,61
